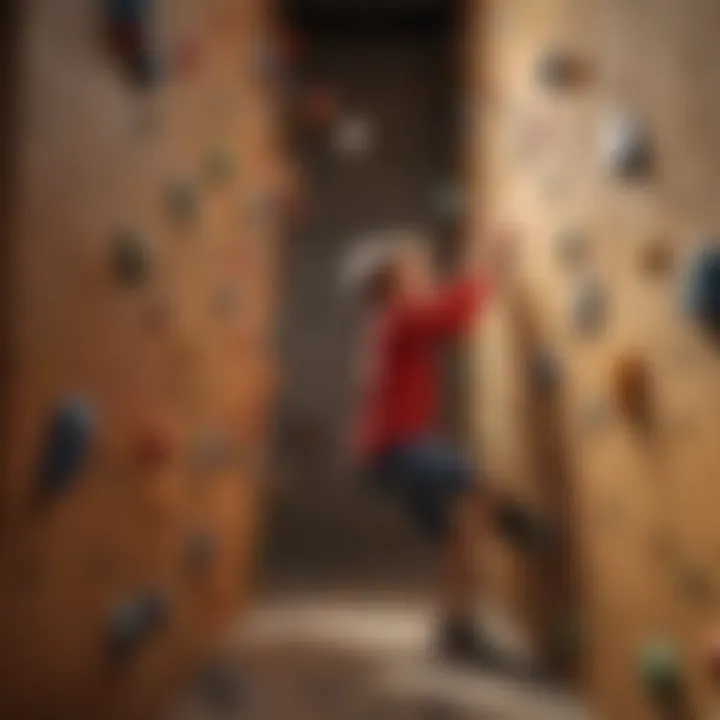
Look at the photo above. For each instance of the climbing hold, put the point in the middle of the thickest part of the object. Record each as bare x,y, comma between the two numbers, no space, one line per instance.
449,201
655,255
701,291
219,165
558,69
69,435
133,620
353,136
181,199
155,445
201,551
588,307
522,527
130,257
632,388
545,371
572,247
626,148
659,666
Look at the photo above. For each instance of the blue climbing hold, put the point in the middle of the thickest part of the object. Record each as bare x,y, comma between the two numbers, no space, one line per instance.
69,437
701,292
133,620
129,10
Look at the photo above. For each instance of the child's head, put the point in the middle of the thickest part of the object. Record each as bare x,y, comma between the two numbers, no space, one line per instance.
394,265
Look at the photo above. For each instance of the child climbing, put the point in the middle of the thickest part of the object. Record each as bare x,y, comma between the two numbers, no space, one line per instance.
408,318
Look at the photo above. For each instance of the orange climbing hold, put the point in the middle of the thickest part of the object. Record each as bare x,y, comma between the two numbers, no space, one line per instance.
655,255
155,444
632,387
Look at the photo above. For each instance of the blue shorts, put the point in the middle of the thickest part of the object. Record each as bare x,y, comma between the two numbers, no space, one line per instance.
425,477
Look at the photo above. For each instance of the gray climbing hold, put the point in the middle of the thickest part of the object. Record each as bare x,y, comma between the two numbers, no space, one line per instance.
181,199
219,166
69,436
572,247
545,371
134,620
449,201
627,148
588,308
130,257
558,69
701,289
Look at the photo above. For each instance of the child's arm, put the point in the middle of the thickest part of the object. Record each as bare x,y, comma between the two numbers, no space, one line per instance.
448,312
452,310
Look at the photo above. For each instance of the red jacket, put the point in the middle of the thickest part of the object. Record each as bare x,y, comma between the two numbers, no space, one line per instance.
399,399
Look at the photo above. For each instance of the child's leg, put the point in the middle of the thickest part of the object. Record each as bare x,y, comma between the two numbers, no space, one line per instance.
461,554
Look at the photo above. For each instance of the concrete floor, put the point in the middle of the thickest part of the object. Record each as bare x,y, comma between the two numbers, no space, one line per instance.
331,659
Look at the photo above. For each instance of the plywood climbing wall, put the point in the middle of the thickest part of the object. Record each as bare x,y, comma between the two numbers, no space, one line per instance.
141,322
594,126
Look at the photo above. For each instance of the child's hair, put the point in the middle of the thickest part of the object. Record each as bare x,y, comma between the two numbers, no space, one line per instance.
368,270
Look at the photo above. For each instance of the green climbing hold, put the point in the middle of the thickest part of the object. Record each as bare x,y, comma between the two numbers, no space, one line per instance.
219,166
181,200
659,666
130,257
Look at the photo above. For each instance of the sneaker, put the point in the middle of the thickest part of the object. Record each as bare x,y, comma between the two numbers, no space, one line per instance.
523,528
461,643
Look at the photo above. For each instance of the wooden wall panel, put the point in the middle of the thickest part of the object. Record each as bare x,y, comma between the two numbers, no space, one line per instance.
639,510
188,351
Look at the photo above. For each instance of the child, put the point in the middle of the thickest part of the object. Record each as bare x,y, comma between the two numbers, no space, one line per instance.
408,319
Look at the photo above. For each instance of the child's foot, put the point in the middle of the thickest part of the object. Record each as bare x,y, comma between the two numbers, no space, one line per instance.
460,642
